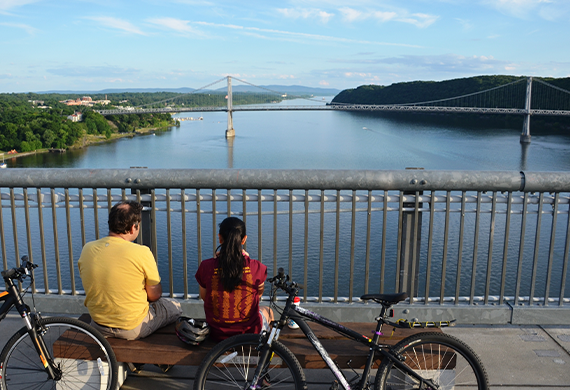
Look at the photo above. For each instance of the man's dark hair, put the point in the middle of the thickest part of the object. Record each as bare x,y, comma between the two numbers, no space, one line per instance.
124,215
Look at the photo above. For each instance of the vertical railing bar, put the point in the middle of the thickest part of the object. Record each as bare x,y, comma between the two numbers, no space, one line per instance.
199,225
415,232
153,244
321,246
490,249
352,238
475,246
82,217
291,234
306,258
383,254
551,250
14,226
214,230
274,232
460,248
259,231
445,244
506,245
169,235
28,232
2,236
109,201
244,212
430,245
400,233
56,242
139,239
184,249
565,261
229,203
15,229
368,229
123,194
42,238
96,213
521,247
536,248
337,247
69,242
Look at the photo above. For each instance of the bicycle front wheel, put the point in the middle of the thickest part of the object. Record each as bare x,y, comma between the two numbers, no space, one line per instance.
232,363
82,355
445,360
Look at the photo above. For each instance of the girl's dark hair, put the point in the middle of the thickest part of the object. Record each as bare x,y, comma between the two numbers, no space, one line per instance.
230,259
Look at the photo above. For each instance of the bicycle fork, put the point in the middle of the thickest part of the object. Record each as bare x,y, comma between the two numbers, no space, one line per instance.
35,332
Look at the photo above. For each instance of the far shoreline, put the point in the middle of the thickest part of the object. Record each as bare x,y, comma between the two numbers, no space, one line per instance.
88,140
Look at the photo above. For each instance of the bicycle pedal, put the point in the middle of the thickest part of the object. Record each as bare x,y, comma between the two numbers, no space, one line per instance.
334,386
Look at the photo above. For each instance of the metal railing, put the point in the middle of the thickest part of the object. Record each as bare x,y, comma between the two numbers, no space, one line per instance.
448,237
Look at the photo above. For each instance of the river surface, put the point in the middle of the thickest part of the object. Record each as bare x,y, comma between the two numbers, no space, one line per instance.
338,140
324,140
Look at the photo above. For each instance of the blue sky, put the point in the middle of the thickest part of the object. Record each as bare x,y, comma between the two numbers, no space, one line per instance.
94,45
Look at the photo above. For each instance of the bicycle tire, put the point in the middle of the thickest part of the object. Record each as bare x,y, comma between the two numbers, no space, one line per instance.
85,358
446,360
240,354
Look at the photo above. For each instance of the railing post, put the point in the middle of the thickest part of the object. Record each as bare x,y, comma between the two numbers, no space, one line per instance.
146,232
410,247
525,135
230,132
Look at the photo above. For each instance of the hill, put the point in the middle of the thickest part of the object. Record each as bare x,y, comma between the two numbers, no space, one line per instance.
420,91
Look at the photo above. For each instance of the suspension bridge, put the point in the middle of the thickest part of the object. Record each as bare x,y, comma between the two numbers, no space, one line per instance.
524,96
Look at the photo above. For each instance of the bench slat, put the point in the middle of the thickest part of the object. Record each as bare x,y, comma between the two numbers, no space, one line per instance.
163,347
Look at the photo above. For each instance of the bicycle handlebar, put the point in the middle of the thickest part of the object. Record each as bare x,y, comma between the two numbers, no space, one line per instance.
20,272
282,281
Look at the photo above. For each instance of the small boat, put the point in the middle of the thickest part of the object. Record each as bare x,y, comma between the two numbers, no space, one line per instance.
3,164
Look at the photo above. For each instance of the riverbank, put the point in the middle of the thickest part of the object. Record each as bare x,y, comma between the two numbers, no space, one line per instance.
90,139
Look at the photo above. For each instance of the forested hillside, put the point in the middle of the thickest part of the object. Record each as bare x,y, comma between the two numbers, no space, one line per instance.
24,126
421,91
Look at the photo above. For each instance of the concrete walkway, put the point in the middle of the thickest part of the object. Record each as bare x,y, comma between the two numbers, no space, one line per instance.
515,357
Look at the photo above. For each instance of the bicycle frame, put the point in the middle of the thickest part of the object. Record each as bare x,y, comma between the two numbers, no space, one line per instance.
297,314
12,297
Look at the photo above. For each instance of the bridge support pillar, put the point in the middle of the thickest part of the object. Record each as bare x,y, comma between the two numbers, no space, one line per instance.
525,135
230,132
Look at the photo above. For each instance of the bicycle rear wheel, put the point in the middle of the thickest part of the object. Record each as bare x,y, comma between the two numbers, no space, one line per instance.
232,363
84,357
441,358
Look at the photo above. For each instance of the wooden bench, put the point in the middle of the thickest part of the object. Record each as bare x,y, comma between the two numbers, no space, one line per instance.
164,347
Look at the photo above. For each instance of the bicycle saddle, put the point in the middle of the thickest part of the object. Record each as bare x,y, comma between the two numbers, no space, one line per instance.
385,299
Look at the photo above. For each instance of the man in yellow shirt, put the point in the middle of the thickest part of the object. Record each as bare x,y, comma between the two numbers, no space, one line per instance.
121,280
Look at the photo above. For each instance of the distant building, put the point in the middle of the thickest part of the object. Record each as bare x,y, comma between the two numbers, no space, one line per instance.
75,117
85,101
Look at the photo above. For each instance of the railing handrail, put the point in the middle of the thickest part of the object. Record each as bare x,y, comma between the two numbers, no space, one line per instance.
405,180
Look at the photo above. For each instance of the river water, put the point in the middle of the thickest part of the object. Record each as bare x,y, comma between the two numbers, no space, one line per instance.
325,140
333,140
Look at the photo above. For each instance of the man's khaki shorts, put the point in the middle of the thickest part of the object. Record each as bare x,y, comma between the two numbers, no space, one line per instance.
160,313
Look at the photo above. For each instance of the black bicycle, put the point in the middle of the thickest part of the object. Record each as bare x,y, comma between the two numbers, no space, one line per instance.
51,353
426,361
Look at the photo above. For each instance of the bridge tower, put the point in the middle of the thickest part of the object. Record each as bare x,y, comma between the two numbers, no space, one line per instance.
525,135
230,132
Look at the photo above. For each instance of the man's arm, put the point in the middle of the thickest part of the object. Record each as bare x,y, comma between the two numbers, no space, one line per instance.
153,293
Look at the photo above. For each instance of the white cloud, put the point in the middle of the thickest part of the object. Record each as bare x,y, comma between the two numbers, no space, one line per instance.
178,25
9,4
29,29
420,20
304,13
116,23
302,37
324,83
546,9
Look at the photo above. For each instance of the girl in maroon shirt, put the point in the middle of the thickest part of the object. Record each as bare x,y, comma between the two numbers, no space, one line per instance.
231,285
